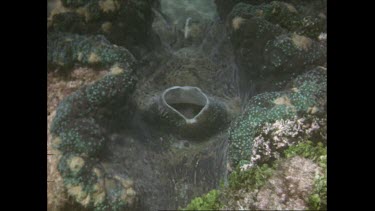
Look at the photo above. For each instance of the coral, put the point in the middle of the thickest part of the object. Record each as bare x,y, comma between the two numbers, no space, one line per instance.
251,179
304,8
292,52
309,91
86,183
273,43
78,131
81,136
89,99
275,137
131,21
81,139
66,50
58,88
307,149
285,15
210,201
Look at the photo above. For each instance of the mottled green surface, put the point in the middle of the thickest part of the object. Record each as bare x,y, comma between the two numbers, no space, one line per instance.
83,103
284,55
310,91
252,179
65,50
271,44
210,201
79,134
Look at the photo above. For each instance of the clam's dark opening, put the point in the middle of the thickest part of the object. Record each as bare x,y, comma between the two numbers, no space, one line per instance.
189,110
188,101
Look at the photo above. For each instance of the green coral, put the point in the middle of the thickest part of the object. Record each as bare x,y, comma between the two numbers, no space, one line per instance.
263,109
210,201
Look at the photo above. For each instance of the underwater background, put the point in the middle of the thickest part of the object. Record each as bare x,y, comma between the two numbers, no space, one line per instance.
187,104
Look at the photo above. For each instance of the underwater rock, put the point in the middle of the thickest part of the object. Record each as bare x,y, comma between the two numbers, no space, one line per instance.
288,188
306,7
124,23
302,94
275,137
269,51
224,7
286,15
59,88
81,139
66,50
86,182
188,112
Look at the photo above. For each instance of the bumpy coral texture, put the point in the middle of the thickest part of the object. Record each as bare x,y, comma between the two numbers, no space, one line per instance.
306,91
76,49
59,88
274,42
278,136
80,137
